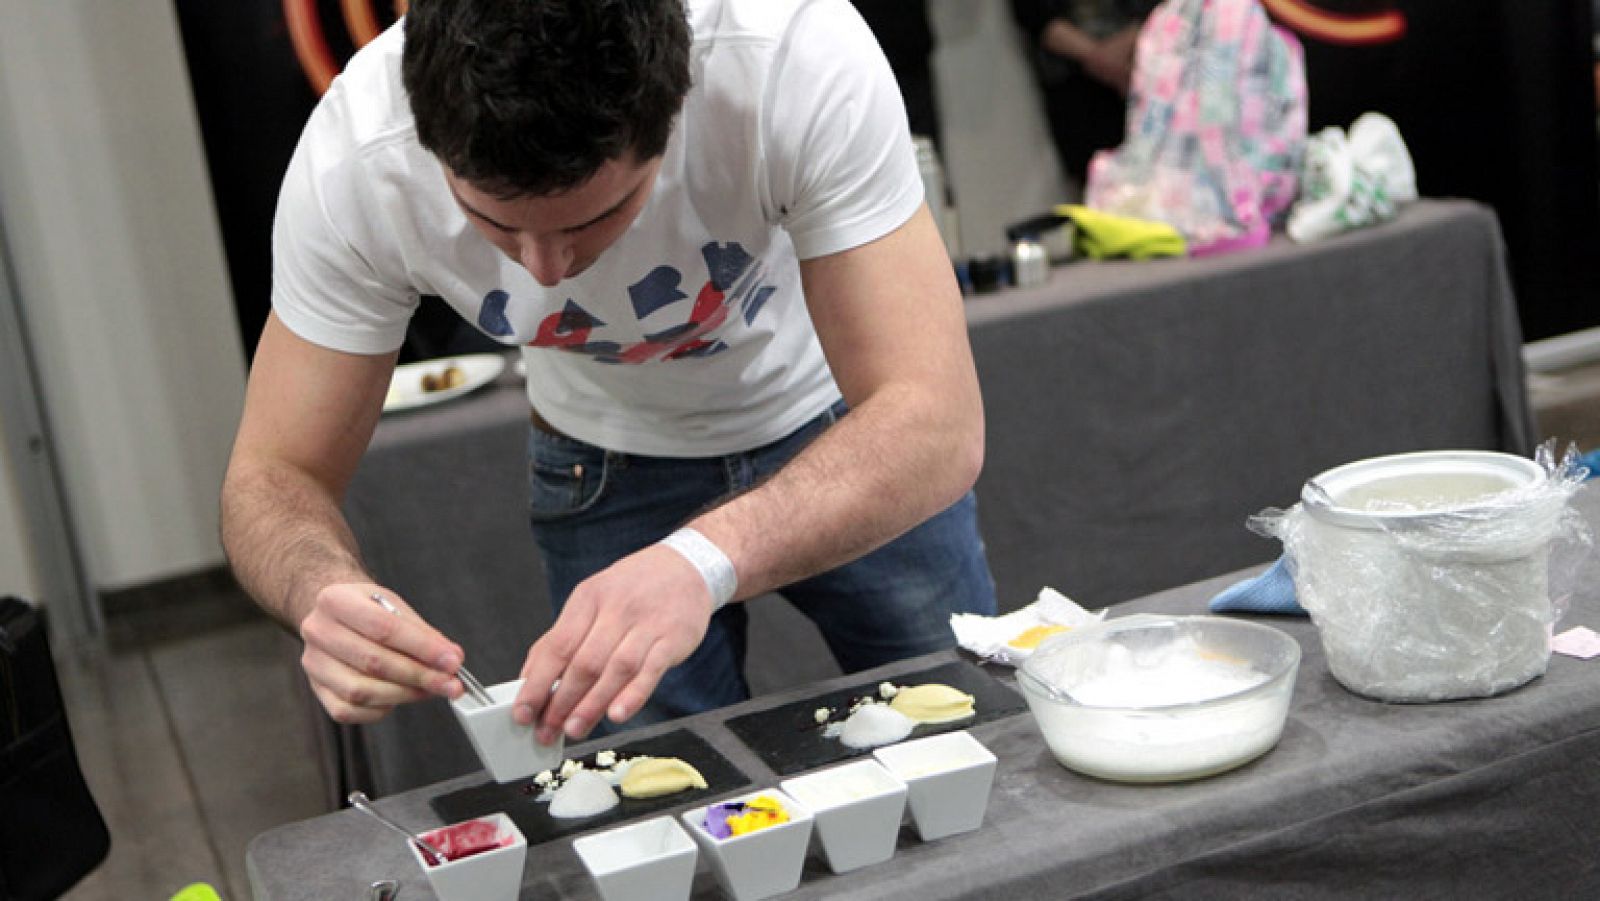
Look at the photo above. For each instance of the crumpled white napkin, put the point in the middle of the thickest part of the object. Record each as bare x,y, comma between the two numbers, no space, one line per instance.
1352,181
987,636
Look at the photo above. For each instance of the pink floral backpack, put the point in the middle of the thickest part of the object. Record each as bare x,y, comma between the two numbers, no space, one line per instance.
1216,126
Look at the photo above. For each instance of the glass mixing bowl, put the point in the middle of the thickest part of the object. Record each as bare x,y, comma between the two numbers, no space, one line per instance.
1161,698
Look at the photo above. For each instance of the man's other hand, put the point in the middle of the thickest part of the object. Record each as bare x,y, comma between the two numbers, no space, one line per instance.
617,634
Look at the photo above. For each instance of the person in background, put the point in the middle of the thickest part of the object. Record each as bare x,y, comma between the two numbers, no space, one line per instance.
747,360
906,36
903,31
1082,53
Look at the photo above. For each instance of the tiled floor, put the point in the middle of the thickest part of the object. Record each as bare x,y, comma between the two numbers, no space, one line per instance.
194,740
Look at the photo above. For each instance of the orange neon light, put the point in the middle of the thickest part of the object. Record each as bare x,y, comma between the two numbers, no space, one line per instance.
310,47
1335,28
361,21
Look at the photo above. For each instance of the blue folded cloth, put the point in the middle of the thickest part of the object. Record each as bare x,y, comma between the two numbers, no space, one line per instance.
1592,461
1270,592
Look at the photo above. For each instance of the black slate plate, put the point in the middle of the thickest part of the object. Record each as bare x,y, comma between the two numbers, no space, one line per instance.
789,740
534,819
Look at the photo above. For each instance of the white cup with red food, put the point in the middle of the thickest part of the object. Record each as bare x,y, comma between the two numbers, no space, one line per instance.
483,859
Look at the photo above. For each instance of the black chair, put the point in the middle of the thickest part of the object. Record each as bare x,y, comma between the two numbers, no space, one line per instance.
51,830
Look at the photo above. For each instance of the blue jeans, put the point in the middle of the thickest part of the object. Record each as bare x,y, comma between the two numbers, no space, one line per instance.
590,507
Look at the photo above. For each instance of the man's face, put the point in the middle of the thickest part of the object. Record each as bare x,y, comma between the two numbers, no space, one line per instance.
558,236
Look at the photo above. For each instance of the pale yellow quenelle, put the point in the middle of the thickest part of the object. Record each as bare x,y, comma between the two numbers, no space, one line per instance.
653,777
933,703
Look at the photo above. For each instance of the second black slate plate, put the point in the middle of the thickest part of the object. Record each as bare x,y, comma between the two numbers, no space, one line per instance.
789,740
516,799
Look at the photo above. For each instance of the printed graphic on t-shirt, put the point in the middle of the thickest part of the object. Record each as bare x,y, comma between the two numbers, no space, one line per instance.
734,283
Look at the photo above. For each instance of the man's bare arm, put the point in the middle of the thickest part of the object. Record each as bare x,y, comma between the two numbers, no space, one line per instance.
890,320
309,413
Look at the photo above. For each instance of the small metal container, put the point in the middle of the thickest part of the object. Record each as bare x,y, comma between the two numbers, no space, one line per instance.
988,274
1030,264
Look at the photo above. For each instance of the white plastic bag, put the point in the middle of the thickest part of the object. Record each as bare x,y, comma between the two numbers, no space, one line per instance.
1351,182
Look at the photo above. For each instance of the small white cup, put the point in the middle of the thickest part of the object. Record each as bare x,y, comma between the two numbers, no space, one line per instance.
857,807
509,751
648,861
757,864
494,875
949,777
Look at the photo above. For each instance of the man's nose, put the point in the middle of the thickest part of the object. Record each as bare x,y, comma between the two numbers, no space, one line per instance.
547,260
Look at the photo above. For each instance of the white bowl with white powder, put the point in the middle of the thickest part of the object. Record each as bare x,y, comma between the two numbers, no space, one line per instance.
1161,698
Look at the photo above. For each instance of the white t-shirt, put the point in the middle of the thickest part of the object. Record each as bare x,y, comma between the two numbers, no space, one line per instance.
689,336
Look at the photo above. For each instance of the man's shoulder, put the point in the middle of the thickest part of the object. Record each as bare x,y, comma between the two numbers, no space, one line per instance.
366,106
713,21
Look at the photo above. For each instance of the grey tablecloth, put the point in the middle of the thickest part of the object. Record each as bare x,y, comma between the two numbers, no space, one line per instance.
1138,413
1492,798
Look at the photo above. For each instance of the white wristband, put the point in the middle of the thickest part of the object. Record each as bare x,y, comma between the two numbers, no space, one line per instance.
713,565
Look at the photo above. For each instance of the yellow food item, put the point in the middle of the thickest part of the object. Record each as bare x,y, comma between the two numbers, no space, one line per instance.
452,377
759,813
1030,638
933,703
653,777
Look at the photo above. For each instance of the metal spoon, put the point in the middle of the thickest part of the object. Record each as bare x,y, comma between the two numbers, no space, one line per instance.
359,801
473,686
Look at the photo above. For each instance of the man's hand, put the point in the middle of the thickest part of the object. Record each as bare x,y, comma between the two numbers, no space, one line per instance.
363,660
308,414
618,632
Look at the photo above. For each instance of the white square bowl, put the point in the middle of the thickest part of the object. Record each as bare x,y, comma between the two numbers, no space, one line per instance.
509,751
949,777
757,864
648,861
857,809
487,876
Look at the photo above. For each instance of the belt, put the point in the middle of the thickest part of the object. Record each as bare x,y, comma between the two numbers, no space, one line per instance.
541,425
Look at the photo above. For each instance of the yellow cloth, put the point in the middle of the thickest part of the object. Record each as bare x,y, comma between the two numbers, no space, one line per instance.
1101,235
197,892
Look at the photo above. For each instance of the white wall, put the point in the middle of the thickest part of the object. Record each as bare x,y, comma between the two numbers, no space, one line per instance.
997,148
120,269
18,575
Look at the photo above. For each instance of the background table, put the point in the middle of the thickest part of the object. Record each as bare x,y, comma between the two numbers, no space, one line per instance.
1490,798
1138,413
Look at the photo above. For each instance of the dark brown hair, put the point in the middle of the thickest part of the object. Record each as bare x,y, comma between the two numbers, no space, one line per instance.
533,96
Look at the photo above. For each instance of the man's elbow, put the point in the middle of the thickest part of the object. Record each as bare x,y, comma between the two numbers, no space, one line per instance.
966,454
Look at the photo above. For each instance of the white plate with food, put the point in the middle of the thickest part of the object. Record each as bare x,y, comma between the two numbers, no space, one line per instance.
431,382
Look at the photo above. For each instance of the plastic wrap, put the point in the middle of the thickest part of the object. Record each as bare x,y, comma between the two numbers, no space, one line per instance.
1415,603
